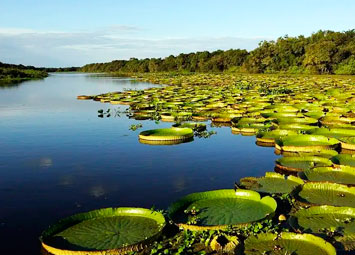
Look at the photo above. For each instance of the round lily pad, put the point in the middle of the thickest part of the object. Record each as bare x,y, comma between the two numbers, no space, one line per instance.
344,159
269,137
324,154
306,143
321,219
338,174
347,143
220,208
272,183
299,120
333,132
296,126
287,243
104,231
297,164
167,134
326,193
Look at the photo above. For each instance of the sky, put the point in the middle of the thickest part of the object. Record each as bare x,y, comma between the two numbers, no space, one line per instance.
77,32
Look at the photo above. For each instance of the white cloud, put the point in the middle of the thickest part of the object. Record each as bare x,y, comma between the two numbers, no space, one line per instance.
58,48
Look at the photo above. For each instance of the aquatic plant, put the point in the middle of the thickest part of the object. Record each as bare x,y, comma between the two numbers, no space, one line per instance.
104,231
220,208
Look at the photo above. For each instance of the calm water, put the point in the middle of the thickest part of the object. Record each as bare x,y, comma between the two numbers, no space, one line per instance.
58,158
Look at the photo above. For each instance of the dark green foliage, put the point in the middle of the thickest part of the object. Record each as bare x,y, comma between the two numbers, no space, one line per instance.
9,74
324,52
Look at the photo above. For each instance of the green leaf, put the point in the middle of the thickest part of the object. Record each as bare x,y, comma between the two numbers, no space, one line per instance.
326,193
223,207
272,183
104,229
319,218
287,244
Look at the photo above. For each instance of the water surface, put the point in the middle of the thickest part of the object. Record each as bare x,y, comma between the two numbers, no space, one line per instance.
59,158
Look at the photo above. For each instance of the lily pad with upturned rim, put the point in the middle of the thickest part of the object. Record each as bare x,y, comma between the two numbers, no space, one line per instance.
167,134
269,137
344,159
337,174
347,143
272,183
287,243
327,193
297,164
319,219
219,209
104,231
306,143
333,132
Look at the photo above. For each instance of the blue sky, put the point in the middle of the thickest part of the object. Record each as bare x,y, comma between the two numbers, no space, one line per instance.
76,32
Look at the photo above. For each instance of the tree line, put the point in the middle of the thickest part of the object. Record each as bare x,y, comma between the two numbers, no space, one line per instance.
13,73
45,69
324,52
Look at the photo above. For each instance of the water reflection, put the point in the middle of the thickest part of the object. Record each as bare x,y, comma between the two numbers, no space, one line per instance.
66,180
45,162
97,191
180,183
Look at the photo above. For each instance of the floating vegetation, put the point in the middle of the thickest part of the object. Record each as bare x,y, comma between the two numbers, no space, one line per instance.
167,134
348,143
327,193
134,127
338,133
197,127
205,134
306,143
219,209
308,119
344,160
269,137
337,174
104,231
287,243
84,97
293,165
326,219
272,183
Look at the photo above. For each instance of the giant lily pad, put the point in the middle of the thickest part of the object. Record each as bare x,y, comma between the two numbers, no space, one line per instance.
344,159
339,174
251,128
326,193
300,120
306,143
167,134
347,143
335,121
324,154
297,164
321,219
333,132
269,137
272,183
220,208
296,126
287,243
104,231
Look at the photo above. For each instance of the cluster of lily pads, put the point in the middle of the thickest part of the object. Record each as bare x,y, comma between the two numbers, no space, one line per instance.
307,206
